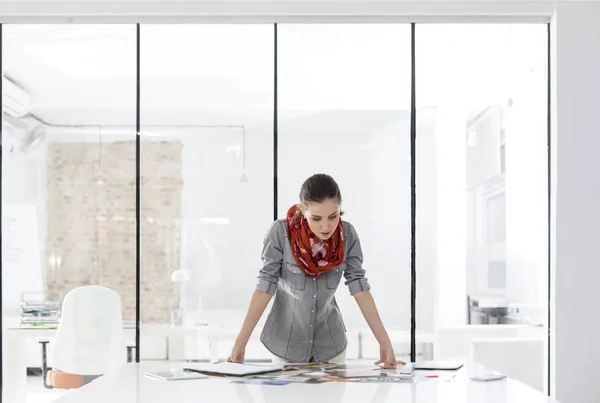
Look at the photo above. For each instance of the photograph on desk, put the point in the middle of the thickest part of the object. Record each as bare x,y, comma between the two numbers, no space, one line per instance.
356,375
313,366
314,373
371,374
299,377
255,381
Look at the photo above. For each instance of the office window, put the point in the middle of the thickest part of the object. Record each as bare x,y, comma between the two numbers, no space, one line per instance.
68,166
207,186
207,110
344,110
486,212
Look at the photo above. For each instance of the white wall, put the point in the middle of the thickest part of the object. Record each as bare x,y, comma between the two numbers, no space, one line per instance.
576,200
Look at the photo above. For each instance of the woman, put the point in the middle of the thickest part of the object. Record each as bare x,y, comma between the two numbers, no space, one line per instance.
304,257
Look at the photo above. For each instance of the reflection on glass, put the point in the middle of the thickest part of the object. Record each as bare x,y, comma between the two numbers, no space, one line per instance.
68,199
484,87
344,110
207,181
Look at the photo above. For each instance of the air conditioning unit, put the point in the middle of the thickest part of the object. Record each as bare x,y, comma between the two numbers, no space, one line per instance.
15,101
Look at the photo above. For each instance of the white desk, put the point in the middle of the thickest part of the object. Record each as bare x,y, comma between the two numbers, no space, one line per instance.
129,385
14,366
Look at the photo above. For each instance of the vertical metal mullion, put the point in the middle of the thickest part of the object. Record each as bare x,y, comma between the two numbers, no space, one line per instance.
413,201
275,125
1,176
137,199
549,158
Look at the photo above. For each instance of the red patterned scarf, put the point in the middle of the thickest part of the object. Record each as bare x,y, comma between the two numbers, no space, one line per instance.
313,255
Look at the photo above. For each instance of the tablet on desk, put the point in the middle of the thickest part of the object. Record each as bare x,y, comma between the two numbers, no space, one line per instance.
233,369
439,365
175,375
486,375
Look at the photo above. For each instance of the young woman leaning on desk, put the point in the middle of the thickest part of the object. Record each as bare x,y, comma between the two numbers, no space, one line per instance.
304,257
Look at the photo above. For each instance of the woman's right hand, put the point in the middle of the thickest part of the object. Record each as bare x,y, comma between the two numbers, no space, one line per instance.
237,354
258,303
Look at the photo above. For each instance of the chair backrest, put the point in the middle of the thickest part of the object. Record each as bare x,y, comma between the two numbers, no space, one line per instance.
90,339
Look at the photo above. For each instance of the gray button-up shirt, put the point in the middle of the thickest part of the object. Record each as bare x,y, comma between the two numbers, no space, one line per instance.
305,321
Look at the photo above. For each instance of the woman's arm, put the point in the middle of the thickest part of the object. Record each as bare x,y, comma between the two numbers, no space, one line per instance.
258,304
268,277
359,287
367,306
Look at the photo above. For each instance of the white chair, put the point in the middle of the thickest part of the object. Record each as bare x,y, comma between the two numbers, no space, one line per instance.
89,341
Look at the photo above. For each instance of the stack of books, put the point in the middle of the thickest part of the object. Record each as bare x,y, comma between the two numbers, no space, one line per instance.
37,310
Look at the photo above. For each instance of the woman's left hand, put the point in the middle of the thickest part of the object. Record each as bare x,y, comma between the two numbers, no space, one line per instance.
387,357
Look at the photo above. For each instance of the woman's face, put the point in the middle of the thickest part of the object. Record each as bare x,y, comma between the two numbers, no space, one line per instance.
323,218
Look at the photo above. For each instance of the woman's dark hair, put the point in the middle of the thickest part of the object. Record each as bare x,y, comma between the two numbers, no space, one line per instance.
319,188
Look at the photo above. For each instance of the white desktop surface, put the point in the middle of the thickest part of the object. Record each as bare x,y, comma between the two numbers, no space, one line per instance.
130,385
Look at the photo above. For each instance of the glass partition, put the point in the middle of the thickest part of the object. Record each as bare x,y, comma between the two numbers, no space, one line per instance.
207,107
344,110
482,196
68,195
207,182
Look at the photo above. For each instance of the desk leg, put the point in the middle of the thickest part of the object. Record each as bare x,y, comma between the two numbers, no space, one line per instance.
14,371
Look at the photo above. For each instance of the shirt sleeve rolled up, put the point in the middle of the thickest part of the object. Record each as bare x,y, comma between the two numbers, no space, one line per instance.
272,258
354,272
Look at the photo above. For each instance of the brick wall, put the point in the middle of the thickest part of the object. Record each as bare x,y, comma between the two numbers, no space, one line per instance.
91,227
